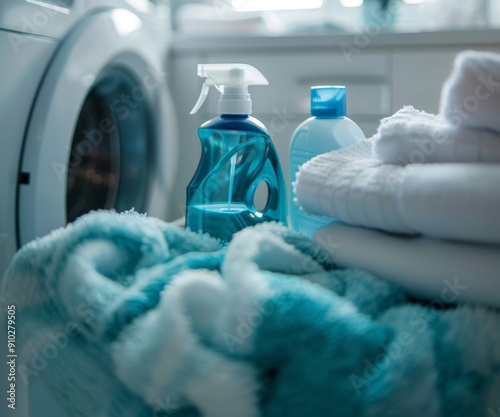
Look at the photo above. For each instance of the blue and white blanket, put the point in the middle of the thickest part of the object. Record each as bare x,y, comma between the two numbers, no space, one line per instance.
125,315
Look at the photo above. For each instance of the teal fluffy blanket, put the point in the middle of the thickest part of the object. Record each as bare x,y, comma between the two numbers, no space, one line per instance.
125,315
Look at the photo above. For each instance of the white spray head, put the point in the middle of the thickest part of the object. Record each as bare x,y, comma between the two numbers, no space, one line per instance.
232,80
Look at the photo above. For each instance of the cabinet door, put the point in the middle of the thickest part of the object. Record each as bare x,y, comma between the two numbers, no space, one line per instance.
418,76
291,75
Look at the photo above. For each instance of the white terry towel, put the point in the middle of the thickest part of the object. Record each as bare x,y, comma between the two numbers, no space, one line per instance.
411,136
454,201
471,95
429,268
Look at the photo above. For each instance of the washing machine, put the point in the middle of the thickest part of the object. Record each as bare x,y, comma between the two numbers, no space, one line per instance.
86,120
85,115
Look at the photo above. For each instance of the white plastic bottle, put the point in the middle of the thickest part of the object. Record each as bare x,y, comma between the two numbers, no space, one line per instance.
329,129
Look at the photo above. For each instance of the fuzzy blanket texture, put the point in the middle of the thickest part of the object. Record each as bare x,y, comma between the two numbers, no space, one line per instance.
135,317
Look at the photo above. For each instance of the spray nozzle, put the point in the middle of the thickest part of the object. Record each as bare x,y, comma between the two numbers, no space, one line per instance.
232,80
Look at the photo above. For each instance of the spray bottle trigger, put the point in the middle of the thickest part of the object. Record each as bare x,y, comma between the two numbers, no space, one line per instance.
203,96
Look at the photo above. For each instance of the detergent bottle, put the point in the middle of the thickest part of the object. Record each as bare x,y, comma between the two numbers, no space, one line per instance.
328,129
237,155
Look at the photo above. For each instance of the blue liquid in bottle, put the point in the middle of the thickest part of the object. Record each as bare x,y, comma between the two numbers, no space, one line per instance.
237,155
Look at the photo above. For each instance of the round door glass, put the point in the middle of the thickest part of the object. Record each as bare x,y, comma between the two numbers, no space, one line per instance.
110,158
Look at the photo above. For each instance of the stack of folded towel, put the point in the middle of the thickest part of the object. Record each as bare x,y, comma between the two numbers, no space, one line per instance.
430,180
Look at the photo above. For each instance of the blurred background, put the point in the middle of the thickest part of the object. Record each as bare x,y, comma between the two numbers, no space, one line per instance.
284,17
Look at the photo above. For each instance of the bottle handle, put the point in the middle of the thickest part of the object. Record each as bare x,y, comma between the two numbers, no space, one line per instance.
272,195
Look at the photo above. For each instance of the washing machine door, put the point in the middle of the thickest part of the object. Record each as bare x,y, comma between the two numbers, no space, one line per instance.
100,134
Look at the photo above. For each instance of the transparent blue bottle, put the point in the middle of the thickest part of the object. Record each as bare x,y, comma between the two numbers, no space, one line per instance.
329,129
237,155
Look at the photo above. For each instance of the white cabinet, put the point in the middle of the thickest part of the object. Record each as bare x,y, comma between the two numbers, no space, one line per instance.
418,76
292,75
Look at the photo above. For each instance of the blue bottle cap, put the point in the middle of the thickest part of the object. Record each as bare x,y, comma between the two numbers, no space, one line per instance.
328,101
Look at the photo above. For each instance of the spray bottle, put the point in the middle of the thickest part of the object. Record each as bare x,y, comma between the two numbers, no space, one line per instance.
237,155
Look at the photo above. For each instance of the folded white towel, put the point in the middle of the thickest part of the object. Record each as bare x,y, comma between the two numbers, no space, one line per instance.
429,268
455,201
471,95
412,136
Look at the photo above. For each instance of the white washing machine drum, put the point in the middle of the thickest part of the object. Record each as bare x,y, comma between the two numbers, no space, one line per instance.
101,133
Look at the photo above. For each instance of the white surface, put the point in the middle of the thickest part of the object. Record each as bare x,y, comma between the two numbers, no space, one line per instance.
437,270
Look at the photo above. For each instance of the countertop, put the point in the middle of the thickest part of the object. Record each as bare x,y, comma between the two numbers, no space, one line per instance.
191,44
